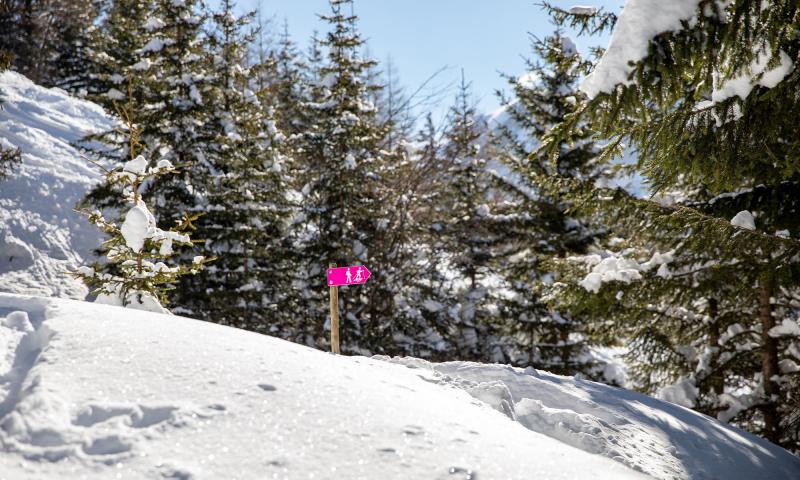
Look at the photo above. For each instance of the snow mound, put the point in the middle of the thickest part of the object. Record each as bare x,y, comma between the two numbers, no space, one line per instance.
660,439
640,21
95,391
744,219
41,236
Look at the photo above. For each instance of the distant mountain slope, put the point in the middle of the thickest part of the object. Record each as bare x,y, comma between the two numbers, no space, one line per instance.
41,237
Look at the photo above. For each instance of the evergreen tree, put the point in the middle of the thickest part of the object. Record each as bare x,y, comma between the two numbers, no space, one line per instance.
135,274
472,230
343,164
174,68
536,334
168,74
168,77
287,90
10,158
734,255
73,65
42,35
245,203
422,320
114,50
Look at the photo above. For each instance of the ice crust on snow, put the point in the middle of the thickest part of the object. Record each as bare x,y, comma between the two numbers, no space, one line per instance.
640,21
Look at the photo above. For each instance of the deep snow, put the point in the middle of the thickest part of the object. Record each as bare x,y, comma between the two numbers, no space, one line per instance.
41,237
95,391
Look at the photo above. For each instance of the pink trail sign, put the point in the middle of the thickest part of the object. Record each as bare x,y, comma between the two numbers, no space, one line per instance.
342,276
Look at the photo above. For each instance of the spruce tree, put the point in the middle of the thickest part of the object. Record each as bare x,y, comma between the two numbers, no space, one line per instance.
169,69
341,185
730,155
174,69
535,333
46,38
114,50
287,90
244,199
472,227
10,158
135,274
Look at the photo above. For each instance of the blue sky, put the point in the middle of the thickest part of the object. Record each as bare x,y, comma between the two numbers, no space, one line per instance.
483,37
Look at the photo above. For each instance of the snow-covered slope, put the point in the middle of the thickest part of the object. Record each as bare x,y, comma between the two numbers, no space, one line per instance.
40,235
94,391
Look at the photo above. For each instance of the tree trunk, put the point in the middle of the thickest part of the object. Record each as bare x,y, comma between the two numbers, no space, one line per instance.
717,381
769,361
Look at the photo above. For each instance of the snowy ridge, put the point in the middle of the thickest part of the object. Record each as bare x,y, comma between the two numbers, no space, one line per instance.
94,391
86,393
41,237
663,440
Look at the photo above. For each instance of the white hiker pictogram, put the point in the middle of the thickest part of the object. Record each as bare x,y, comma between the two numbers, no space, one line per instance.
358,274
349,276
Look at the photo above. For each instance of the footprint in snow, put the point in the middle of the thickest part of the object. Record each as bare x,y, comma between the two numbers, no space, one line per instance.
266,387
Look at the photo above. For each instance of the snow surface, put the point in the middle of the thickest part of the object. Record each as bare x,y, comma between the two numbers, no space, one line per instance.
139,225
744,219
640,21
41,237
94,391
615,268
758,74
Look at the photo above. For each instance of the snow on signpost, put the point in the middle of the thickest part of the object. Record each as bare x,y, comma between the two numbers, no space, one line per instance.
341,277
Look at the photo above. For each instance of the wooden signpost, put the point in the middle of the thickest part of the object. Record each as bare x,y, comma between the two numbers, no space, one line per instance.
339,277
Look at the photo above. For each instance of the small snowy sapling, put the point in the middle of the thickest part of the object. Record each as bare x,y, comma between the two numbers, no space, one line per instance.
135,274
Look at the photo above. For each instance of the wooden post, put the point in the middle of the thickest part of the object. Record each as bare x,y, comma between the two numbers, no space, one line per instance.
334,316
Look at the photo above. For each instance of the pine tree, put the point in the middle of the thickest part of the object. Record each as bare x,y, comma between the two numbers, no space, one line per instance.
41,35
10,158
245,205
114,50
135,274
536,334
472,230
167,75
341,184
735,270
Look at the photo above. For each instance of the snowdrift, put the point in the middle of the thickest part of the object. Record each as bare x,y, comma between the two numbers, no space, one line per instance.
94,391
41,237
